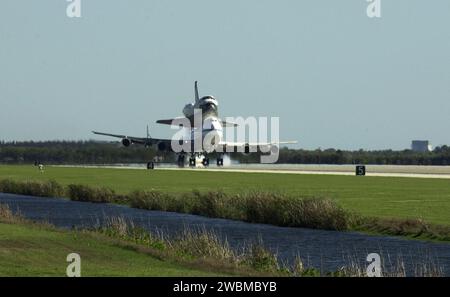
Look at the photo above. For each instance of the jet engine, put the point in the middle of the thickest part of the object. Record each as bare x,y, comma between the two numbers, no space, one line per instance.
126,142
162,147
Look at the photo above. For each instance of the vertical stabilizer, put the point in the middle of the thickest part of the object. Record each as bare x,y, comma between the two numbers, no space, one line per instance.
197,97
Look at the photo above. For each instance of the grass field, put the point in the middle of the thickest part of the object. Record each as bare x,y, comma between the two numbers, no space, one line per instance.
386,197
35,251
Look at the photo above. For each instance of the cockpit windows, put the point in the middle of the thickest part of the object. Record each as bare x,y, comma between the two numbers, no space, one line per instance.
208,107
208,104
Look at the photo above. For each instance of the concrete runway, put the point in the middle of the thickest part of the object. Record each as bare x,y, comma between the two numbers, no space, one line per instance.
442,172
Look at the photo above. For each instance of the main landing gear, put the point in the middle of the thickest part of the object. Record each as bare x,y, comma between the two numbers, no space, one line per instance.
181,158
193,162
157,159
205,161
180,161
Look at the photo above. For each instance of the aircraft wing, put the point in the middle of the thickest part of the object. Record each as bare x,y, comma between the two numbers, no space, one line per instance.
137,140
251,147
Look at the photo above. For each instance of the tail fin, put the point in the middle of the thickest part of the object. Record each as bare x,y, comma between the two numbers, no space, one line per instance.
197,97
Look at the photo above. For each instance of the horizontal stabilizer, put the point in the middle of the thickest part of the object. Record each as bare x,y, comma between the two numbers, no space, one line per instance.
170,121
228,124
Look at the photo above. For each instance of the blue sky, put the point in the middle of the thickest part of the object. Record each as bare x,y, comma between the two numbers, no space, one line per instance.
335,77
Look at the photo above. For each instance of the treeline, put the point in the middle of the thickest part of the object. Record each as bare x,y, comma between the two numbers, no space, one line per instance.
93,152
439,156
72,152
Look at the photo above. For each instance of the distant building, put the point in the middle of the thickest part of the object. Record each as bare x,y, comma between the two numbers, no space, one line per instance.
421,146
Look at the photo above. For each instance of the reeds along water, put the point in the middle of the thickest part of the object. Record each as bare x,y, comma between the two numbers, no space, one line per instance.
203,243
32,188
254,207
396,265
